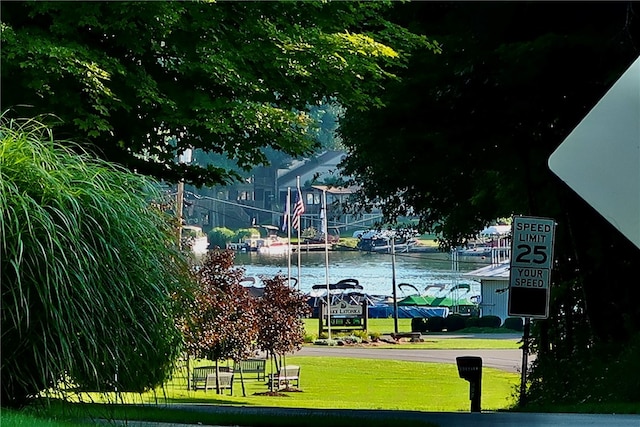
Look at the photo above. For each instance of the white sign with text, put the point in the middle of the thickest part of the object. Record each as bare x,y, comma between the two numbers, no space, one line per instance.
531,262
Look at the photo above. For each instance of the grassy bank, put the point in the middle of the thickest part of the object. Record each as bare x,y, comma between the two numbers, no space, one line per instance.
333,383
457,341
325,383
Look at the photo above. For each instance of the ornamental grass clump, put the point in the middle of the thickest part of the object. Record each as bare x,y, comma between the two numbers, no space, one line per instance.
89,270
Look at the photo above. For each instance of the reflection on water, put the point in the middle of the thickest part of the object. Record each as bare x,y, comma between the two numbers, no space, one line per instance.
374,271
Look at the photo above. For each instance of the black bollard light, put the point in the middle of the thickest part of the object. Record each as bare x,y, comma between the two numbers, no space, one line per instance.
470,369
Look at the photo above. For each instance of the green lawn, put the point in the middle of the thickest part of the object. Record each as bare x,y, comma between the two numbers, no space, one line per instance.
351,383
431,340
326,383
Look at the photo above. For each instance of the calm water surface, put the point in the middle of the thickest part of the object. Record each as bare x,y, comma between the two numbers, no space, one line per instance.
374,271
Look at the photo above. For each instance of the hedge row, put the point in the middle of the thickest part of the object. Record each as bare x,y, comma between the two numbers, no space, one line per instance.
456,322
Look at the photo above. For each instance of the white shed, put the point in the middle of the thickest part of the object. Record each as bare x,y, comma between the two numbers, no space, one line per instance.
494,289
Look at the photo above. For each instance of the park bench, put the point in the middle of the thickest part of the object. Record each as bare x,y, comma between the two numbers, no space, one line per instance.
286,376
252,366
204,378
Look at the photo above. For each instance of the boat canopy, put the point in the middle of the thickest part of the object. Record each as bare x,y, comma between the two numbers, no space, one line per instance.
402,287
416,300
345,284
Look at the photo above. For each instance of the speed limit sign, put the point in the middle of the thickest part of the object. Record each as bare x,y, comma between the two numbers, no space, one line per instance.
531,262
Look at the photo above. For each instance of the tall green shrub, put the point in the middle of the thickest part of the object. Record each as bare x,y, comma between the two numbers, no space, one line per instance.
514,323
418,324
244,233
490,321
435,324
454,322
89,270
220,236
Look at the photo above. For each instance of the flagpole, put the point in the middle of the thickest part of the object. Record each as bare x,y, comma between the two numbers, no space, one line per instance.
299,228
288,225
326,260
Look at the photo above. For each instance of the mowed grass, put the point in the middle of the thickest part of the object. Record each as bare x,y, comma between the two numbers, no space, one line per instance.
326,383
439,341
10,418
347,383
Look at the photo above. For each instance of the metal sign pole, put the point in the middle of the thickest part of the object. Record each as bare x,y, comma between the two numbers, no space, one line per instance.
326,263
525,356
393,281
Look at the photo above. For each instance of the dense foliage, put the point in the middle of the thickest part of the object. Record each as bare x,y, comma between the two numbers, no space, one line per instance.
279,316
140,82
465,138
88,270
220,323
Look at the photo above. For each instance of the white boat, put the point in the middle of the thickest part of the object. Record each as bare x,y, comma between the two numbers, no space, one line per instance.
200,245
475,250
195,238
272,244
492,239
275,247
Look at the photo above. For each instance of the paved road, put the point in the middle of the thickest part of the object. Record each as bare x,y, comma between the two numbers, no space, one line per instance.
506,360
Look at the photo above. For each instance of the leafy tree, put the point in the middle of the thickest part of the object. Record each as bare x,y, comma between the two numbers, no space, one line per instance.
279,314
140,82
89,271
465,137
220,236
244,233
327,116
221,322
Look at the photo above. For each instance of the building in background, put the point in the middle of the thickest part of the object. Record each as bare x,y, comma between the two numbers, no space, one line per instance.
261,198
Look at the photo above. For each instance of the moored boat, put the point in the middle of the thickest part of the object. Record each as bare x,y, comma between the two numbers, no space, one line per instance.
277,247
196,239
381,241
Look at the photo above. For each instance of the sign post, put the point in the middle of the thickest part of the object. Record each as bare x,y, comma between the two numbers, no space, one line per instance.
531,261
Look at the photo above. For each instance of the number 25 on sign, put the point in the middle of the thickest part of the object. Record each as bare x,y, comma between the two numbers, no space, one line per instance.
532,244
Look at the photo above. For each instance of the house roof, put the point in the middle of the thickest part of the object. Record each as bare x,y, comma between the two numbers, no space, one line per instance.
489,272
335,190
323,163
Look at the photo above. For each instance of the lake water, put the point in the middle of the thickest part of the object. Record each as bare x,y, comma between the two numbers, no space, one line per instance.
374,271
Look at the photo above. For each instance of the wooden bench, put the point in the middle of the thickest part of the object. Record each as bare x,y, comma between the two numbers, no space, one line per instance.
252,366
204,378
225,380
286,376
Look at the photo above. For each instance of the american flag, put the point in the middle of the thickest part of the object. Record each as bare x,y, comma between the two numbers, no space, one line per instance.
298,210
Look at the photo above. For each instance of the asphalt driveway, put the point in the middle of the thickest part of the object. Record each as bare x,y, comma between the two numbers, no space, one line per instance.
506,360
